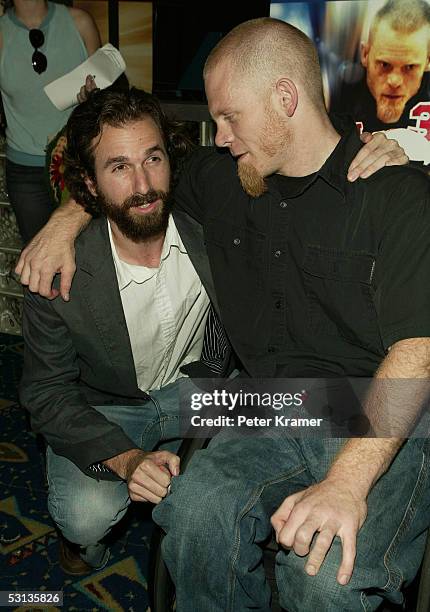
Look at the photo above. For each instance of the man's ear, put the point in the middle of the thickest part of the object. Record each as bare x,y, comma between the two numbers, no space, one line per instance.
364,53
288,95
90,186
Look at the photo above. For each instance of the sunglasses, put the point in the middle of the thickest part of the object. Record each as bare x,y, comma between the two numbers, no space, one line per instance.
38,59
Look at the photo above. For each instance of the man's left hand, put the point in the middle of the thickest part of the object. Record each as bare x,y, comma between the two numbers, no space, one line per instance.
378,151
327,509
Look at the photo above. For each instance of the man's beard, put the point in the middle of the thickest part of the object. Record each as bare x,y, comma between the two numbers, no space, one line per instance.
390,111
251,180
134,226
274,138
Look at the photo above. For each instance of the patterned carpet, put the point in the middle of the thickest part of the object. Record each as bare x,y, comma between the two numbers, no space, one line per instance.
28,541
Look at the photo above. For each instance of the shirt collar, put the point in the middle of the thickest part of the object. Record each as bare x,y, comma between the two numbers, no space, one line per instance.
335,168
127,273
48,17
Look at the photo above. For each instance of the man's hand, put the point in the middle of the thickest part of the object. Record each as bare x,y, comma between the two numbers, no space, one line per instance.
51,251
327,509
148,474
89,86
379,151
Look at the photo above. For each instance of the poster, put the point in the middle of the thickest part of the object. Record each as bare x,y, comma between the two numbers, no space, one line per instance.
374,59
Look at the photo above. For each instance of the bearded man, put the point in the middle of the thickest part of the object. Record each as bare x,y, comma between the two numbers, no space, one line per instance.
101,371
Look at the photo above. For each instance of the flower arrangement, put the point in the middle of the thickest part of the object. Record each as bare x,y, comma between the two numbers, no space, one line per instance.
55,168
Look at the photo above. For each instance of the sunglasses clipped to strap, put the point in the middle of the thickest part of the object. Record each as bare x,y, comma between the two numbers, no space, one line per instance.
38,59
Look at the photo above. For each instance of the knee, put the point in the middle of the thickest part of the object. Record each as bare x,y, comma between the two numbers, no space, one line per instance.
195,510
299,592
86,516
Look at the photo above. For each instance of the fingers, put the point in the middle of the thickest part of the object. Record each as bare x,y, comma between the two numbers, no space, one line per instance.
89,86
173,462
151,479
90,83
366,137
21,263
349,550
281,516
82,95
319,550
67,274
378,152
142,494
142,487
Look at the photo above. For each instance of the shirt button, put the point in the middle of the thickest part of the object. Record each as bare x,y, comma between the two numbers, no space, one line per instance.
278,304
278,253
283,204
236,241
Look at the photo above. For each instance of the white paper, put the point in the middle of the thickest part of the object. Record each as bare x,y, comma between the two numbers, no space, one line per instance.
105,65
415,144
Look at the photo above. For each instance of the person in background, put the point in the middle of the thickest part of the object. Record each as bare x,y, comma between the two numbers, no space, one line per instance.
39,42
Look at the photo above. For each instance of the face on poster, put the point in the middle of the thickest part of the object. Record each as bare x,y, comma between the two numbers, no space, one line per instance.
374,57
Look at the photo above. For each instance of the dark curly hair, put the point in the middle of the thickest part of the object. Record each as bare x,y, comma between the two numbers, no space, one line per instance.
6,4
115,108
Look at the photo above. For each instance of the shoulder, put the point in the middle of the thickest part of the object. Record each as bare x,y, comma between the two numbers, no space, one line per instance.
400,179
87,28
81,18
210,159
95,235
399,192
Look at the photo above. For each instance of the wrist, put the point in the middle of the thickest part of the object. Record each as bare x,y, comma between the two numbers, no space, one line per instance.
355,485
125,463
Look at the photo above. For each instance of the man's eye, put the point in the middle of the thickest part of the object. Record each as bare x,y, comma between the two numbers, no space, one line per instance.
153,159
409,67
119,168
384,65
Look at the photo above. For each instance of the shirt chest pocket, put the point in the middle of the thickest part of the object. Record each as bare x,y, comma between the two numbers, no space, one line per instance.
339,292
237,256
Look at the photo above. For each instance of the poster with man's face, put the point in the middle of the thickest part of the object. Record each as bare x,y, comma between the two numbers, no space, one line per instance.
374,57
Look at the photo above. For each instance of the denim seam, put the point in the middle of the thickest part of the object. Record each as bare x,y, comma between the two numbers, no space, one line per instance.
408,516
251,502
364,601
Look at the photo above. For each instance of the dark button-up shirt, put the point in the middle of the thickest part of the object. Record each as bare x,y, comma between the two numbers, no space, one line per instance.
318,276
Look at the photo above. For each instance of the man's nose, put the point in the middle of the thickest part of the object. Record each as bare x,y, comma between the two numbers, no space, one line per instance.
223,136
142,183
394,79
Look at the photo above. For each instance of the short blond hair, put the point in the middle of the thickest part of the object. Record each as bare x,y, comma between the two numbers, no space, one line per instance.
264,49
404,16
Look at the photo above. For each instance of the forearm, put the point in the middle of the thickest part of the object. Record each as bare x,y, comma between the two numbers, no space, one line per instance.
70,218
124,464
50,391
393,405
361,462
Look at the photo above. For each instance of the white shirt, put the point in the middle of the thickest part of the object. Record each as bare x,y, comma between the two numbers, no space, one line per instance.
165,310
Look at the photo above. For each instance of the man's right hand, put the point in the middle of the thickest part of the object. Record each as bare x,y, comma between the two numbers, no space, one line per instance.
52,251
148,474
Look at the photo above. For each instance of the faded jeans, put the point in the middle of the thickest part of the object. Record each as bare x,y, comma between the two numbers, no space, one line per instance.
85,509
218,513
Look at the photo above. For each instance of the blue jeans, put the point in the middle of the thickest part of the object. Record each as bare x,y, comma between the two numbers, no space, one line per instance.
218,513
28,191
85,509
